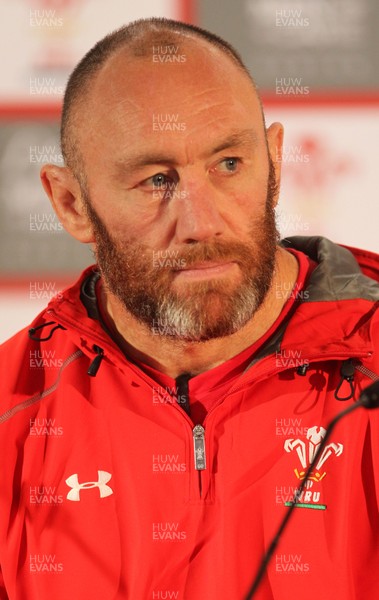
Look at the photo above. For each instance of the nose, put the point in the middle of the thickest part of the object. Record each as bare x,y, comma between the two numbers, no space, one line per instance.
198,216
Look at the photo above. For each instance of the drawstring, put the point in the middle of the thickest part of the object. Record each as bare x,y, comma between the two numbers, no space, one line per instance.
95,364
347,374
33,330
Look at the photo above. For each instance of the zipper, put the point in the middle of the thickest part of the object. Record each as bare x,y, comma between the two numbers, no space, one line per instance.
37,397
199,454
198,433
367,372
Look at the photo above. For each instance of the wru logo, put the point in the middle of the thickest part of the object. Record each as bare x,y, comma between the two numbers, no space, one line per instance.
101,483
315,436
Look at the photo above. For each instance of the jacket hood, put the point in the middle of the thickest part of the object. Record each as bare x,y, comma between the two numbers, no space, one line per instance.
336,314
343,273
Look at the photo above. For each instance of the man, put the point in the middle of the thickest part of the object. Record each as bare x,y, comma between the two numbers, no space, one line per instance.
198,363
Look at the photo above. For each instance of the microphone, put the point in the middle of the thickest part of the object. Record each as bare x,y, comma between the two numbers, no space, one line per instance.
369,398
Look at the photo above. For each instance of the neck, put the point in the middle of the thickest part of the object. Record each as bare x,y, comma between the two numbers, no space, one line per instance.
174,357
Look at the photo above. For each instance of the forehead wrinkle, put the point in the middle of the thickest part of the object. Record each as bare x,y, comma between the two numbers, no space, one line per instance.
216,97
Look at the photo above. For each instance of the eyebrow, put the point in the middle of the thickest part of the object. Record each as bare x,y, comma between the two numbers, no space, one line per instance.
244,137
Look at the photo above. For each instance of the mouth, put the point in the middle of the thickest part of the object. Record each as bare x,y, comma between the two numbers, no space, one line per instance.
206,270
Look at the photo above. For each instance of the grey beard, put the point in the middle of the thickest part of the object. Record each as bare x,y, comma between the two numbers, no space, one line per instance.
188,324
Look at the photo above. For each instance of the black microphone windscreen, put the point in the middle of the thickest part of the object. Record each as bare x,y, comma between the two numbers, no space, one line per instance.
370,396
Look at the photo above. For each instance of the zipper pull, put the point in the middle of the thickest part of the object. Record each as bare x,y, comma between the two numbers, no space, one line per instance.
199,447
95,364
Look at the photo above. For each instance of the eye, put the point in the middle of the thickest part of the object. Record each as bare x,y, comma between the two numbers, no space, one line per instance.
160,180
229,164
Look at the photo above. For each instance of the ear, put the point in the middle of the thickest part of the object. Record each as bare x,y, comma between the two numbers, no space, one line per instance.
65,195
275,147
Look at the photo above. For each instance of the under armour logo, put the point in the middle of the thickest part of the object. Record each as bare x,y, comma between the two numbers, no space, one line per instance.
73,482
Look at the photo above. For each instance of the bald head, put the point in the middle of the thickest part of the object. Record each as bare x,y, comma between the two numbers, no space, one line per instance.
143,40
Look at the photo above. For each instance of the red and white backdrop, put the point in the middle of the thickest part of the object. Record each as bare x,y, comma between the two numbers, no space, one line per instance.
317,65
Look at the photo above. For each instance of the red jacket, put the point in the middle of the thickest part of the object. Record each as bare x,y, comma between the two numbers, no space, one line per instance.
99,495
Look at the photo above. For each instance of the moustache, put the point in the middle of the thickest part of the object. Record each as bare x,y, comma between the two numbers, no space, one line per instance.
216,252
